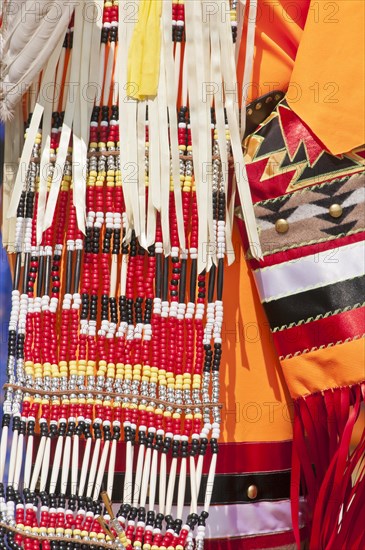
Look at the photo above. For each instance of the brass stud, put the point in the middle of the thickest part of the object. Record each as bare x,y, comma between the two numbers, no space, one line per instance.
277,97
268,99
258,106
281,226
335,210
252,492
249,112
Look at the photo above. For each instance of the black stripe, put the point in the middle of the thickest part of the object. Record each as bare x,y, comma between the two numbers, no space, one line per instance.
318,301
227,489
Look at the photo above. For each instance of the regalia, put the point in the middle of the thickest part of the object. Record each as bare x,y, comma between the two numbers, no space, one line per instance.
133,149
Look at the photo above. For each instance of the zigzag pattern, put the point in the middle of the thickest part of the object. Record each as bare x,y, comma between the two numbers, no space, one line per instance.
282,160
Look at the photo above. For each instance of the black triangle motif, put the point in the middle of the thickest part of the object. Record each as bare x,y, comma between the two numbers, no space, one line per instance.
336,221
339,229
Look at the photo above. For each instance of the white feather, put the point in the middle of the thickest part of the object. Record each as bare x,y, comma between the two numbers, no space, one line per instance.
30,35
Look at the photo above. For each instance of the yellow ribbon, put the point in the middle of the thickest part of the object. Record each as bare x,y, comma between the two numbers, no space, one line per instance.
144,52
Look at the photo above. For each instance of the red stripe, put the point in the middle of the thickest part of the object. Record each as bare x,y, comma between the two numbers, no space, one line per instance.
321,333
254,543
239,458
268,456
233,458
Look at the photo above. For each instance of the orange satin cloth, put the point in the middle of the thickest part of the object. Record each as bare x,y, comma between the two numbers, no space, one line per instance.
314,50
340,365
330,71
279,29
257,406
256,401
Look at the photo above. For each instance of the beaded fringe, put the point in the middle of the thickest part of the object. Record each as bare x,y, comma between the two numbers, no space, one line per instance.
117,311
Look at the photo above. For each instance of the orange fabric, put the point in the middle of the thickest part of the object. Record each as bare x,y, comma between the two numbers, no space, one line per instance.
279,29
256,401
341,365
252,385
329,70
314,51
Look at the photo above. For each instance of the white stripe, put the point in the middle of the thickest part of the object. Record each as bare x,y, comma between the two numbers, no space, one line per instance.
306,211
247,519
327,267
357,197
251,518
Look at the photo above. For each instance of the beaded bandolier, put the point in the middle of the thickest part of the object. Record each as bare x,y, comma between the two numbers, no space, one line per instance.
115,330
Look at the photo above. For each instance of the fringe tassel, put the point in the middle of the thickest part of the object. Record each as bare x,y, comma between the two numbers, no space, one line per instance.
333,478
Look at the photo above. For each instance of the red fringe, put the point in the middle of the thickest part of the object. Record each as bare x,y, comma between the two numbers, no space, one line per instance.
323,465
